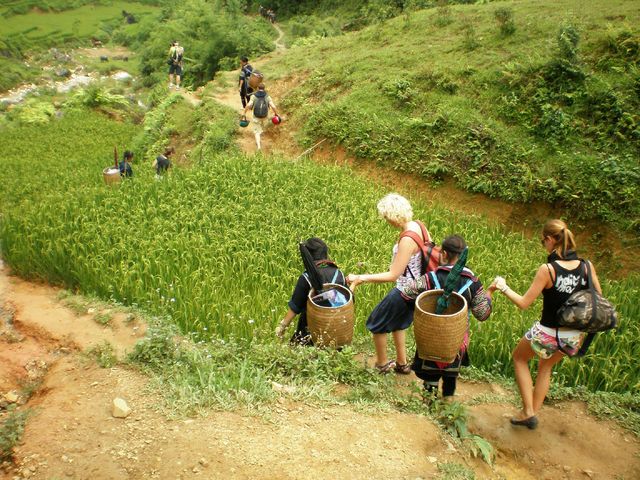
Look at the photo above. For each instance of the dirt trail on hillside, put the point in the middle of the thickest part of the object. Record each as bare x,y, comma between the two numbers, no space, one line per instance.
72,434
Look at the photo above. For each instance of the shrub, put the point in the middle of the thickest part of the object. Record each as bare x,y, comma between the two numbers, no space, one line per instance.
504,17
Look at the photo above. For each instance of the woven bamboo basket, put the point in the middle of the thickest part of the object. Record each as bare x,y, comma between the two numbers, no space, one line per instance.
111,175
256,79
331,326
439,337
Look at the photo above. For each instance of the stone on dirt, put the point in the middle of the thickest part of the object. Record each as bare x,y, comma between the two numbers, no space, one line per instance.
12,396
120,408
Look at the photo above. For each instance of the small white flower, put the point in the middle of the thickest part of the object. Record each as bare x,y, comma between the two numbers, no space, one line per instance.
251,321
173,299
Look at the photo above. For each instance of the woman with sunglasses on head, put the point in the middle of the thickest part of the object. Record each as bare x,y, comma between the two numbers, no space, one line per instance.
561,276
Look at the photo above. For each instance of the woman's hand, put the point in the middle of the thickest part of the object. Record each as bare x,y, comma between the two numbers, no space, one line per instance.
354,280
498,283
280,329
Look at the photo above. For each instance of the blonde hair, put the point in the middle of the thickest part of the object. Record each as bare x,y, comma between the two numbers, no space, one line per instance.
395,208
563,240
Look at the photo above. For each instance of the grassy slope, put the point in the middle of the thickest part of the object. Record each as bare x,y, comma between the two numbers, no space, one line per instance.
31,33
214,248
410,95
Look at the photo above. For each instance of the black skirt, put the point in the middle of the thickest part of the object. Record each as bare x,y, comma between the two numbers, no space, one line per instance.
393,313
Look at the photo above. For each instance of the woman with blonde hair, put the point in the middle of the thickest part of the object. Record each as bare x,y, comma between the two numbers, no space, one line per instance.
394,314
562,275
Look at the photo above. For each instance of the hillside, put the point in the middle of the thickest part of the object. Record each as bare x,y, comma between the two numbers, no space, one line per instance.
546,111
166,289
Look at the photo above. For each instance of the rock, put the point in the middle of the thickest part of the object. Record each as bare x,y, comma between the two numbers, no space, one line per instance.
12,396
120,408
203,462
63,72
432,459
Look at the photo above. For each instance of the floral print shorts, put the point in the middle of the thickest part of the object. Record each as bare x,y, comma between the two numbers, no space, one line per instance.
544,344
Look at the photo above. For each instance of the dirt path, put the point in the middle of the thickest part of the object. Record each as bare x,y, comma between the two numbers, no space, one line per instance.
72,434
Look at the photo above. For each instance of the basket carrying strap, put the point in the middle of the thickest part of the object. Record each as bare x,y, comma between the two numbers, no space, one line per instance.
436,283
335,276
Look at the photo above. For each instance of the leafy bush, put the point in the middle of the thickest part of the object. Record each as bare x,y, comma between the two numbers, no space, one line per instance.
11,431
504,17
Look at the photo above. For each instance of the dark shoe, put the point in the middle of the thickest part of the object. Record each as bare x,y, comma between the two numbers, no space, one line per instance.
402,369
386,368
531,423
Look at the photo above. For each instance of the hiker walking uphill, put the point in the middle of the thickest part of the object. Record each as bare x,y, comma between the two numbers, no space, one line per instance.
260,104
243,81
176,53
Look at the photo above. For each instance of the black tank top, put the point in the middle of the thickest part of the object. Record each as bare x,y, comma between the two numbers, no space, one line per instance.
566,282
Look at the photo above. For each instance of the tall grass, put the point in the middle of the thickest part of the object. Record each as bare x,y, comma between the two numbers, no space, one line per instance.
214,247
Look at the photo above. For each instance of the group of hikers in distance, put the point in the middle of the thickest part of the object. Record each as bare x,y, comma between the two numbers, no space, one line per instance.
267,13
556,280
256,100
161,163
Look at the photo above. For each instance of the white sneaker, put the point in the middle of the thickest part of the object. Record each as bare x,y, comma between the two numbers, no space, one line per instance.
170,86
177,87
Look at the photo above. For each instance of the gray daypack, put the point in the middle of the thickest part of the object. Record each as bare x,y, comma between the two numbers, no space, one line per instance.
260,105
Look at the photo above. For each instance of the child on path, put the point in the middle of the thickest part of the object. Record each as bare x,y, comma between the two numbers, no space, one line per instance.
260,104
329,272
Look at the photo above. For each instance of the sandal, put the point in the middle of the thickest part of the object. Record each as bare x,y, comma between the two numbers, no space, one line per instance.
531,423
386,368
402,369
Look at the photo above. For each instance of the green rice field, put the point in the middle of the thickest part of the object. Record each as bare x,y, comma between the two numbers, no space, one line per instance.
214,247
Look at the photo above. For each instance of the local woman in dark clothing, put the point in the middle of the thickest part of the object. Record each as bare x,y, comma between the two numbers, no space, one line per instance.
162,162
478,300
125,165
556,280
329,272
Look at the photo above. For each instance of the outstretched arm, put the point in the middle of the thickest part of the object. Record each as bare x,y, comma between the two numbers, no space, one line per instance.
540,282
406,249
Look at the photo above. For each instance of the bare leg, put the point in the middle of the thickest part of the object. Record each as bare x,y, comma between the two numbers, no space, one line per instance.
257,135
177,81
521,356
380,342
401,350
170,80
543,380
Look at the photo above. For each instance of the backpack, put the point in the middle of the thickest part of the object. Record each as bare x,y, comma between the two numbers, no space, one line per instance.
176,54
430,252
587,311
260,106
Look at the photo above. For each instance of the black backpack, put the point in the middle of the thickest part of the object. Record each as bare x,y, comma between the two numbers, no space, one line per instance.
260,106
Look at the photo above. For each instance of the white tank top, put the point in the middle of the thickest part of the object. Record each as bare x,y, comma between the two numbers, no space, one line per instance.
414,266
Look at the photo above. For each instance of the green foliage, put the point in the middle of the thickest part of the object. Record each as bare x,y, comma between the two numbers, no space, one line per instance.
455,471
214,34
453,418
11,431
103,354
96,95
509,124
506,23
